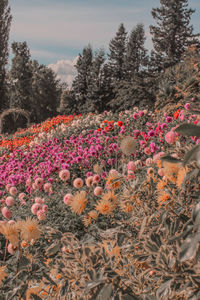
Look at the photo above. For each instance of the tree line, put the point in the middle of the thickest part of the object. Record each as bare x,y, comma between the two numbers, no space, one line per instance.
128,75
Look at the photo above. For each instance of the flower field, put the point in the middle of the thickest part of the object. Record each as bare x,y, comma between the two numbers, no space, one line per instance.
102,207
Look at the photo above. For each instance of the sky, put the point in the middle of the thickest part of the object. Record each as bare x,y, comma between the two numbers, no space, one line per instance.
56,31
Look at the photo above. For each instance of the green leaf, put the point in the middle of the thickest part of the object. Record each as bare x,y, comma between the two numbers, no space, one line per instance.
164,291
120,238
171,159
105,292
23,262
192,155
188,249
188,130
195,212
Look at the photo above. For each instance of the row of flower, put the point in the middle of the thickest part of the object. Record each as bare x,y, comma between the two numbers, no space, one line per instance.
78,157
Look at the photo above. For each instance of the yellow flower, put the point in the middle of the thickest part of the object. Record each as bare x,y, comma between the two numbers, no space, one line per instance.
2,274
163,197
105,207
171,171
78,202
180,176
30,229
128,145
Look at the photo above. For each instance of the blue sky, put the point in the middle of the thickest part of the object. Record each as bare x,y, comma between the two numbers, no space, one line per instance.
57,30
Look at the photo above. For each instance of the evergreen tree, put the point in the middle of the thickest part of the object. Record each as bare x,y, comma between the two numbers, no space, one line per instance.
21,77
117,54
5,22
66,106
173,34
46,92
136,56
81,81
95,90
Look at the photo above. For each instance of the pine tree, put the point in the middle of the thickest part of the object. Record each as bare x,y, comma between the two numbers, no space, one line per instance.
136,55
21,77
66,103
46,92
117,49
81,81
5,22
95,90
173,34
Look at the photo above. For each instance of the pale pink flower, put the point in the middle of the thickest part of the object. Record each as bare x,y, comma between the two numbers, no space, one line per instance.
38,182
45,208
41,215
64,175
11,222
13,190
147,150
22,198
96,178
149,161
78,183
6,212
35,207
131,165
28,182
170,137
47,186
39,200
113,172
11,249
9,201
89,181
98,191
131,175
8,187
160,172
67,198
34,186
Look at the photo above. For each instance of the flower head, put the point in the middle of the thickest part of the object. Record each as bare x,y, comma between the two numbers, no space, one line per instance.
128,145
78,203
105,207
30,229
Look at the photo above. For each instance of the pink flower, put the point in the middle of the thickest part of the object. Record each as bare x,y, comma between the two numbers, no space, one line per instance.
160,172
151,133
169,119
41,215
96,178
9,201
147,151
64,175
67,198
47,186
78,183
131,166
98,191
89,181
170,137
38,182
11,222
149,161
13,190
141,113
22,197
11,249
131,175
35,207
187,106
8,187
39,200
135,116
113,172
6,212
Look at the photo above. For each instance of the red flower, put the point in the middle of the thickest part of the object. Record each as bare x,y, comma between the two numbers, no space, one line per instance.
176,114
119,123
99,129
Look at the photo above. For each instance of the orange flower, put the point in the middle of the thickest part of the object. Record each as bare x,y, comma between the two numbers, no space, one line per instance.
105,207
78,202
